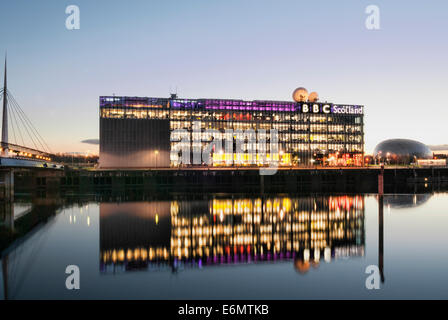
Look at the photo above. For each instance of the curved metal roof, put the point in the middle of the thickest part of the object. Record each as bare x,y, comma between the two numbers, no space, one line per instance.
403,147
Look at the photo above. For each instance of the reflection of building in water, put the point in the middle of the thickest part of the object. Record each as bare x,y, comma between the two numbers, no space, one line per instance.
306,229
135,231
402,201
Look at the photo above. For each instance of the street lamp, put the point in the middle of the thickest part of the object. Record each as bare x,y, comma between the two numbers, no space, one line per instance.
156,153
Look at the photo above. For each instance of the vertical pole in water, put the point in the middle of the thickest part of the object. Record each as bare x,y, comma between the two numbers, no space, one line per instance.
381,235
381,222
381,181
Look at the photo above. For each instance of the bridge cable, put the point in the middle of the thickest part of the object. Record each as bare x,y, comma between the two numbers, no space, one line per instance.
33,128
38,137
18,127
10,120
14,107
20,113
26,128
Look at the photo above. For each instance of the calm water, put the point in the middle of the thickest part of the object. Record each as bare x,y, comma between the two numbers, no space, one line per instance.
229,247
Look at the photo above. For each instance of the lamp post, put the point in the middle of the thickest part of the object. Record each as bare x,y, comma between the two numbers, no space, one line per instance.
156,153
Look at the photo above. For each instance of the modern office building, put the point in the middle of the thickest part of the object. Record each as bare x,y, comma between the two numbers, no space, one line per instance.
138,132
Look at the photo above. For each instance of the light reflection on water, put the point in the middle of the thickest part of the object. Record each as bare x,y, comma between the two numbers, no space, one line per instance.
230,231
231,247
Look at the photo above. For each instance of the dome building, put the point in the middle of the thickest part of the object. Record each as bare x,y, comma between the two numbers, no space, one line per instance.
401,151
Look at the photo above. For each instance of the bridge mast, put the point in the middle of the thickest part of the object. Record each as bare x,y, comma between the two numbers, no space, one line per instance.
5,113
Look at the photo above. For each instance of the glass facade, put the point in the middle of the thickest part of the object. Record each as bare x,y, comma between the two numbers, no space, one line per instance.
308,133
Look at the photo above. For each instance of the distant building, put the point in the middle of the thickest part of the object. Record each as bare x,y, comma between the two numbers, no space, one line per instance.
137,132
440,151
440,155
432,162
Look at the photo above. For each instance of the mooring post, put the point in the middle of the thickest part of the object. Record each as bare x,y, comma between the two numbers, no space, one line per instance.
381,235
381,222
381,181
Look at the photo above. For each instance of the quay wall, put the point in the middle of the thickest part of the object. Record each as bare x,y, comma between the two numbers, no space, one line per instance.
356,180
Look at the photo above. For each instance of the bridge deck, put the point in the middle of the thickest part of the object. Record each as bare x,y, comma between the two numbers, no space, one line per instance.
22,149
28,163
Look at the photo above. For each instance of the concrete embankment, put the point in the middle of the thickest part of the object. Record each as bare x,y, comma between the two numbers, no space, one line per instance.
352,180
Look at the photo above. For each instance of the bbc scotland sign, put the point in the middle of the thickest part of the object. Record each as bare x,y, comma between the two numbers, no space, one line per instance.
347,109
330,108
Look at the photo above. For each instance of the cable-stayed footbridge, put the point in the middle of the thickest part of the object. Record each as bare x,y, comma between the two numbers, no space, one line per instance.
21,145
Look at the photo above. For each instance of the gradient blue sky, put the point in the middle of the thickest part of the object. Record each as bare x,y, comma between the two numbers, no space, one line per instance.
228,49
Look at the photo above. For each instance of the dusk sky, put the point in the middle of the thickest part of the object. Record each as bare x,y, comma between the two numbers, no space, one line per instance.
228,49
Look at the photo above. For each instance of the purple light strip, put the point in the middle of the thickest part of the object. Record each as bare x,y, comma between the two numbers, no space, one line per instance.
216,104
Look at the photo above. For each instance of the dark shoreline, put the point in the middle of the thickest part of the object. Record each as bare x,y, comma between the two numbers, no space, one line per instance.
356,180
